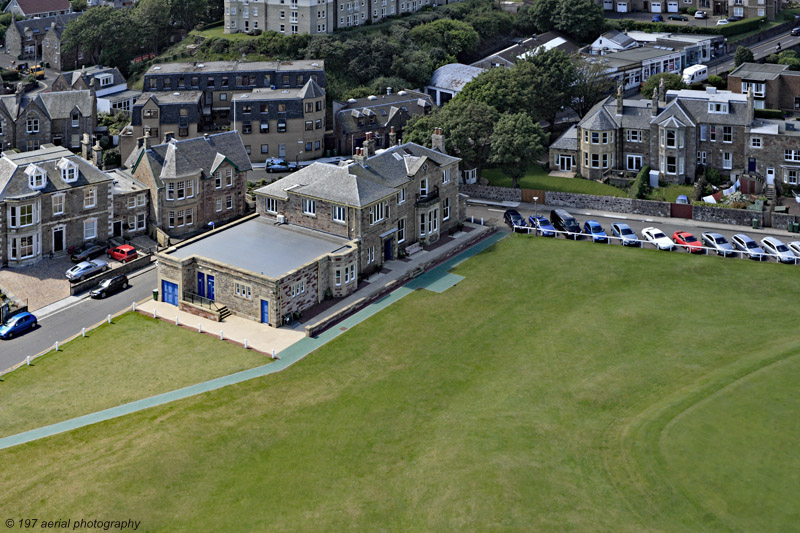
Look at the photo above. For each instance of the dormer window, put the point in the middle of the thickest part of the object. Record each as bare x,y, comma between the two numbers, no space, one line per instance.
36,177
76,119
69,170
718,107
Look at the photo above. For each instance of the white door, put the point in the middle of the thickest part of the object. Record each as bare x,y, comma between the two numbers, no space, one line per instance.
770,176
672,7
281,150
622,7
608,5
655,7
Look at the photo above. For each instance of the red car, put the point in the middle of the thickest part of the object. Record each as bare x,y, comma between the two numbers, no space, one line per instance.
688,241
123,253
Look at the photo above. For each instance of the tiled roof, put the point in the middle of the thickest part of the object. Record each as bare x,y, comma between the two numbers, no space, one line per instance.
40,26
31,7
389,110
61,104
567,141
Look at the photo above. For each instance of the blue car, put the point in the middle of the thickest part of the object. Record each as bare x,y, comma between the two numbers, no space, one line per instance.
593,229
658,18
17,324
542,225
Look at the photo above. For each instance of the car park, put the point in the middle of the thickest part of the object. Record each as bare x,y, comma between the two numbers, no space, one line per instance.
109,286
87,268
625,234
748,247
514,219
678,17
700,15
794,246
795,31
593,229
123,253
657,238
718,243
565,222
687,241
657,18
777,248
542,225
88,252
17,324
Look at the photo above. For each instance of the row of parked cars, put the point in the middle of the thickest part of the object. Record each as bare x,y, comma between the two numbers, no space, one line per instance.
561,221
88,265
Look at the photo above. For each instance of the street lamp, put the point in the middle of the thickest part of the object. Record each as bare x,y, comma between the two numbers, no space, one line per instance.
535,199
297,157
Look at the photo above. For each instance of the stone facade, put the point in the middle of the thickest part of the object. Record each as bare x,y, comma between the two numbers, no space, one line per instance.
39,40
774,86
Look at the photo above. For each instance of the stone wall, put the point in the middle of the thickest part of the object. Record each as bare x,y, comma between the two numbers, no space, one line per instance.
781,220
608,203
488,192
724,215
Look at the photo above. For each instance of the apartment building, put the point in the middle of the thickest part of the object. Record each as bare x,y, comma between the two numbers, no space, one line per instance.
741,8
774,86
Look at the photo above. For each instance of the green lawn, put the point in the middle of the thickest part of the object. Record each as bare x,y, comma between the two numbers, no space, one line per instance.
538,178
670,193
219,32
541,393
135,357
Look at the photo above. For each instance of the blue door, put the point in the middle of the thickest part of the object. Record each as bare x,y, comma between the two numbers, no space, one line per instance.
387,250
201,284
210,287
169,292
751,164
265,311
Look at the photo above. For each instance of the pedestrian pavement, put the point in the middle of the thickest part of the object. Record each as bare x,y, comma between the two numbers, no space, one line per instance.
436,279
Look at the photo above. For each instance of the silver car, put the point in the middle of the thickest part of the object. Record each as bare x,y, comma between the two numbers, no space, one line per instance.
87,268
748,247
718,243
627,237
776,247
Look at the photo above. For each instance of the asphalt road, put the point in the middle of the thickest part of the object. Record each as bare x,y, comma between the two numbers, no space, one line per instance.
760,50
69,321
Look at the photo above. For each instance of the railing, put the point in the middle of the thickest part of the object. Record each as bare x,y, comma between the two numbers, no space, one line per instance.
200,301
428,198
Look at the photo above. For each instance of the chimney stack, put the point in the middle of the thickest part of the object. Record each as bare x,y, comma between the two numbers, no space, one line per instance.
148,141
97,155
369,146
619,100
750,106
388,90
662,90
358,156
654,103
392,137
437,140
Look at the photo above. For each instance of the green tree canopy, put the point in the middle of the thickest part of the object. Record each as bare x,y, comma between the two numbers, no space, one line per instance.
591,85
543,14
152,19
497,87
672,81
743,55
453,36
547,80
582,19
188,13
517,142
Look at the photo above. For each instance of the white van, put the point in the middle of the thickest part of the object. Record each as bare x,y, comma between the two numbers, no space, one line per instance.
695,74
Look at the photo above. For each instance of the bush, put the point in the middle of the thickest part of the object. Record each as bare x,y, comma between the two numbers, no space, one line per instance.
691,11
714,177
701,189
769,113
641,185
717,81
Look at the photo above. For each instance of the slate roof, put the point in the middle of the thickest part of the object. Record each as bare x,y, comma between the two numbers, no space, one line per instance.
310,90
92,72
60,104
549,40
454,76
14,181
31,7
190,157
236,66
599,118
40,26
567,141
389,110
171,97
619,38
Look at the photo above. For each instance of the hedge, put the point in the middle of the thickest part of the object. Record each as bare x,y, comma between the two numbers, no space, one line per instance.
641,184
768,113
727,30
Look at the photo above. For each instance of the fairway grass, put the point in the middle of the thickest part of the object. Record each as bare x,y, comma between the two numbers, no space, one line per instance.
560,386
133,358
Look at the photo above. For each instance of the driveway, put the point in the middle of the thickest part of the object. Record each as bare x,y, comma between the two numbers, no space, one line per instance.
40,284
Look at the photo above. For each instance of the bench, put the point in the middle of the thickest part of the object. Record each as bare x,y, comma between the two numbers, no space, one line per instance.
414,248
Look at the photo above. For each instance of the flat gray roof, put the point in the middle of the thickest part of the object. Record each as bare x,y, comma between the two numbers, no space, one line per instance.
261,246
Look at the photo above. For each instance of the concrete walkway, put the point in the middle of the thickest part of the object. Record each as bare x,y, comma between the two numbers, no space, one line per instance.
437,279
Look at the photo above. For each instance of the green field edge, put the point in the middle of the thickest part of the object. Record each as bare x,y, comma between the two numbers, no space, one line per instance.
639,459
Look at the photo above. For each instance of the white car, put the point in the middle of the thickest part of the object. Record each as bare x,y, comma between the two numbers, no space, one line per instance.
86,269
657,238
795,247
722,22
776,247
700,15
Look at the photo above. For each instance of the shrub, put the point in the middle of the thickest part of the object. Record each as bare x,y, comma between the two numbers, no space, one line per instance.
713,176
641,185
701,189
717,81
768,113
691,11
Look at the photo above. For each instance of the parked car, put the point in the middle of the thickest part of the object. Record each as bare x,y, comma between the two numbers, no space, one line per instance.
110,286
657,238
748,247
700,15
123,253
563,221
682,199
626,235
514,219
794,246
734,18
688,241
86,269
795,31
593,229
678,17
657,18
722,22
282,167
542,225
718,243
88,252
776,247
17,324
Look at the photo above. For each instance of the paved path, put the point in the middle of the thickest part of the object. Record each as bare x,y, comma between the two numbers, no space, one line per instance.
437,279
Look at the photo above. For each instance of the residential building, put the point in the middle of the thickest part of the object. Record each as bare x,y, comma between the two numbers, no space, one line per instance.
633,67
316,233
39,40
383,115
551,40
448,80
50,200
130,205
38,8
111,88
740,8
774,86
314,16
61,118
754,8
678,134
695,48
192,183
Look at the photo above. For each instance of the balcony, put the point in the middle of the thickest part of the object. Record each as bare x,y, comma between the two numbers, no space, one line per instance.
428,199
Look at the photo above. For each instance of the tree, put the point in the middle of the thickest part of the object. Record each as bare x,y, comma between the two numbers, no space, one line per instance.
78,5
591,85
672,81
453,36
743,55
517,142
152,18
583,19
103,34
543,15
497,87
187,13
546,80
525,21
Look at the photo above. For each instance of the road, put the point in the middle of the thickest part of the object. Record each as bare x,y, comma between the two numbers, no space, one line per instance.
760,50
69,321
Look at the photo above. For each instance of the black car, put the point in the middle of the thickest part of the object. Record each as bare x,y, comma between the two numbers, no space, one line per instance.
734,18
677,17
565,222
514,219
110,286
795,31
89,252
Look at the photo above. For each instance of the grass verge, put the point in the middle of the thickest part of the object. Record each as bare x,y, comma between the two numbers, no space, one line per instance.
538,178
